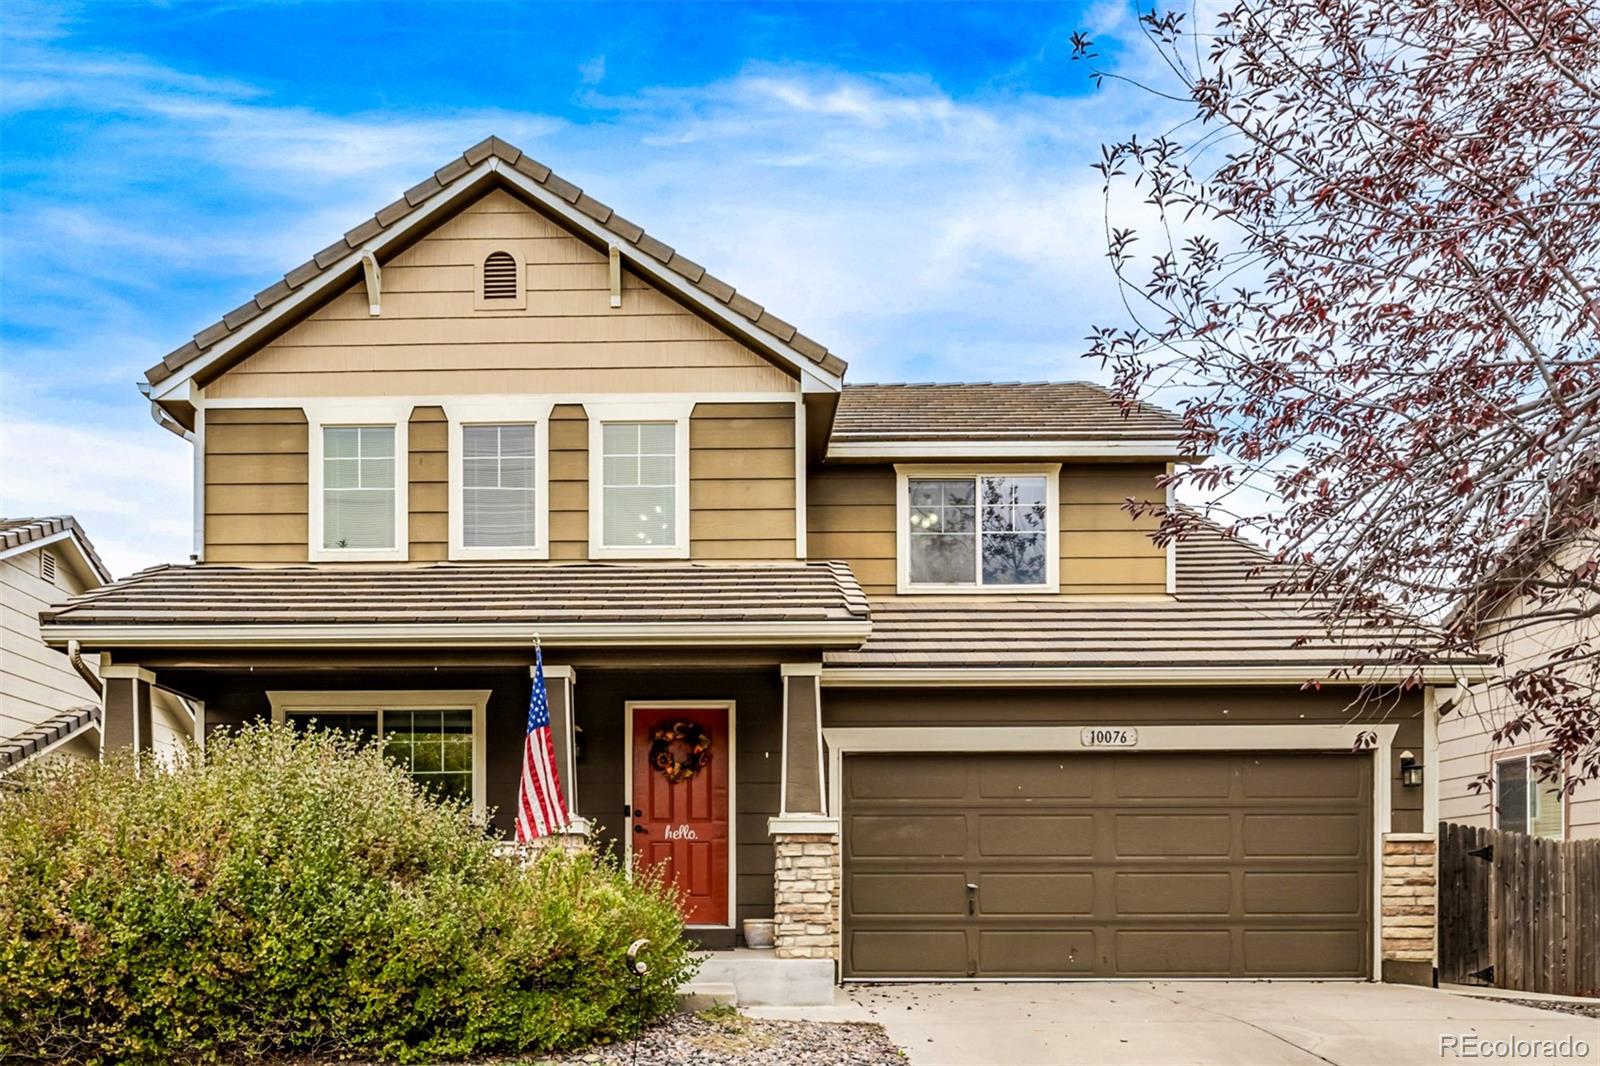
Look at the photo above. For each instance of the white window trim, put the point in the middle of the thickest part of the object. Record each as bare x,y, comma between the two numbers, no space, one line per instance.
904,472
285,703
676,411
1532,781
348,413
499,412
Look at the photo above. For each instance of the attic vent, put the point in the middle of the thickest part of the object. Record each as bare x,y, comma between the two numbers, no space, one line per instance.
47,566
500,276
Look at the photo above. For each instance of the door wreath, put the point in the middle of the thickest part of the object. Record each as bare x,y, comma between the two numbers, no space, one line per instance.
680,750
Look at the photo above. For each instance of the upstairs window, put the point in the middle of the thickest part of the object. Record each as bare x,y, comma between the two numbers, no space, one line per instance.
497,486
977,532
358,488
639,487
1525,801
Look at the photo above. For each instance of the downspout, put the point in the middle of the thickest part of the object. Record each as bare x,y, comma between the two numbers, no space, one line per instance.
75,657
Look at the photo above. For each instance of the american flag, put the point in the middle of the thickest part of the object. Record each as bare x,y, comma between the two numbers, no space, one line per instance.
540,808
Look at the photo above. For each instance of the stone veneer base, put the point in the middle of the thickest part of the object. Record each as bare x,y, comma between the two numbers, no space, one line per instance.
1409,895
805,883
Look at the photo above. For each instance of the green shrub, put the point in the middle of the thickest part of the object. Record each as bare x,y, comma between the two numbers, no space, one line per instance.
293,893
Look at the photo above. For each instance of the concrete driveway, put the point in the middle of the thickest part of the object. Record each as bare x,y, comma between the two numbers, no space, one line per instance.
1206,1022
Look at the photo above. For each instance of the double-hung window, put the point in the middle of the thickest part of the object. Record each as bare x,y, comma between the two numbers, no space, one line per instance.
358,488
498,496
1526,801
978,531
639,490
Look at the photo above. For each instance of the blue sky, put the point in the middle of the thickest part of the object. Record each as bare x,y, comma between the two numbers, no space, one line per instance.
909,184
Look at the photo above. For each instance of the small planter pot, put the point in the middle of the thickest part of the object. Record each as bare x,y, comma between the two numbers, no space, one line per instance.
758,932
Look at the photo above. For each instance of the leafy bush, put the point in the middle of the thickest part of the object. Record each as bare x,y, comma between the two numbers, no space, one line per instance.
294,893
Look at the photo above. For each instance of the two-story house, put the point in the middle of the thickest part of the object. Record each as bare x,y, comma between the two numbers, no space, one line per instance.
964,717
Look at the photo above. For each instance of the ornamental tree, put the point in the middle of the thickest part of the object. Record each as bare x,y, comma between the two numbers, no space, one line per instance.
1367,262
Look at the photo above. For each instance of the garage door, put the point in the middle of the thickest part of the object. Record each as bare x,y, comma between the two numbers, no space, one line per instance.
1126,865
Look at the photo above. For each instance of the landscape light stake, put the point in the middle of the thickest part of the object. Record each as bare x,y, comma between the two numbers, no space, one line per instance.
639,968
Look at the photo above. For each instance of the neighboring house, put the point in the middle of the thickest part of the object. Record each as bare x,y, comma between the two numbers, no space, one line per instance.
50,701
1520,797
964,717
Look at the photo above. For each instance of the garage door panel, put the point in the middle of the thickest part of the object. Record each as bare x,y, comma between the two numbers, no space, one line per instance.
922,894
909,835
1310,835
1182,778
911,777
1295,777
1174,952
907,953
1042,835
1306,952
1036,894
1036,777
1334,893
1153,894
1108,864
1173,834
1036,952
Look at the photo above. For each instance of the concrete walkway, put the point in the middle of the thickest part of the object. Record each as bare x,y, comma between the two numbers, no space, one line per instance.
1344,1024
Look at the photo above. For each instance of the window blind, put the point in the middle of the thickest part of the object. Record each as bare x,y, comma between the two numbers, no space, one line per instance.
358,487
497,477
639,485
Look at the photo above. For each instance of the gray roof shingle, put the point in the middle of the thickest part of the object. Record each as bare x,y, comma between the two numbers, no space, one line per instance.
17,532
1039,410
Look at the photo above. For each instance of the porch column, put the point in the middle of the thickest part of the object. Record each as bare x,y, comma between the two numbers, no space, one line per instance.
805,838
125,709
559,685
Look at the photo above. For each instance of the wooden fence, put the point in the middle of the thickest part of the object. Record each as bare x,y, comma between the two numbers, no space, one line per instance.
1519,912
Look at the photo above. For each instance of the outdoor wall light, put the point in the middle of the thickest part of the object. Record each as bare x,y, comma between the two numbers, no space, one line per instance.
1410,770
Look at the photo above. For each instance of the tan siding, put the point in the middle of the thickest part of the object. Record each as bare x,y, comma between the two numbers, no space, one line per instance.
741,481
430,489
1104,550
569,482
429,340
256,472
851,515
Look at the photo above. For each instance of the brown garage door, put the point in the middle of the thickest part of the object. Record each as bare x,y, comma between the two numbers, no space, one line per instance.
1125,865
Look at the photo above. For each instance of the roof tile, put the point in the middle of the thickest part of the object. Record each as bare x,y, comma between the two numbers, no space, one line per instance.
211,334
479,152
533,168
452,170
388,216
422,190
745,306
332,254
776,326
241,314
716,287
273,293
302,274
981,410
509,152
363,233
655,249
562,187
593,208
628,231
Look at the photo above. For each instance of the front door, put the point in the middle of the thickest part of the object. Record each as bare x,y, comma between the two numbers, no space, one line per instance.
681,758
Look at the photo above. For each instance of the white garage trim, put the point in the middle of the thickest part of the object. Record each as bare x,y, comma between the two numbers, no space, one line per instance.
1068,739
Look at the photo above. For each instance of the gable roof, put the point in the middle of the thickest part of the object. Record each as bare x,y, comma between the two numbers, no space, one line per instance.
18,535
993,420
463,177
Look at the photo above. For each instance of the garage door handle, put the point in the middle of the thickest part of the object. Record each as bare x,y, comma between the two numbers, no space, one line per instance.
972,898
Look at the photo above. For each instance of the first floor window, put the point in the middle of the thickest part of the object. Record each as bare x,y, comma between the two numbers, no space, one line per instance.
433,746
989,530
639,485
358,487
497,494
1526,802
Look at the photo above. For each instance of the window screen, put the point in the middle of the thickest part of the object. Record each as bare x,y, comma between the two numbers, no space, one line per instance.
497,496
1527,804
358,495
639,484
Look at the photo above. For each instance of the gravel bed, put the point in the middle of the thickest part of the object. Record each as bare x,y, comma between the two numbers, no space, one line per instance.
1583,1010
723,1036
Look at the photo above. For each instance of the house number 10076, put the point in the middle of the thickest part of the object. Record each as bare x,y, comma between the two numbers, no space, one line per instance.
1110,737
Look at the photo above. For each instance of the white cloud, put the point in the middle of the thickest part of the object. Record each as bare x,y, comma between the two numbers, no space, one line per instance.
918,234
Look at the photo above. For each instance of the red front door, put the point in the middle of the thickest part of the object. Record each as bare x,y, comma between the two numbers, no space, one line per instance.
680,803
